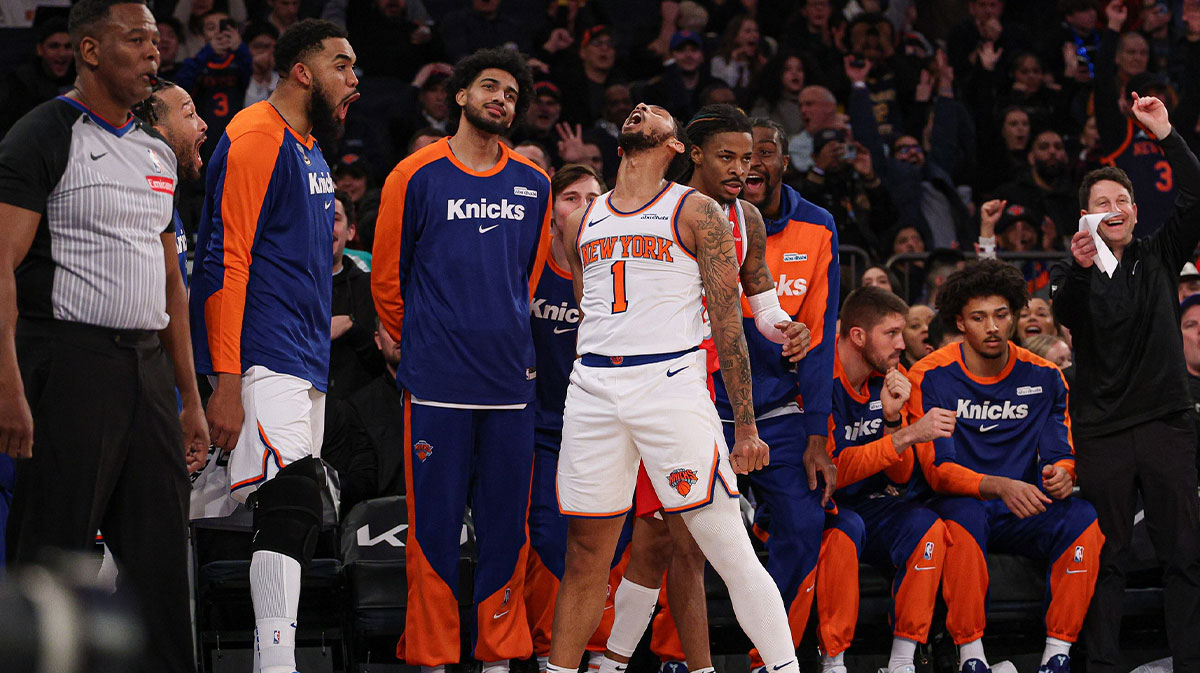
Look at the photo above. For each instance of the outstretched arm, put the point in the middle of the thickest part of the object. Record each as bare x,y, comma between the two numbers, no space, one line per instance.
705,229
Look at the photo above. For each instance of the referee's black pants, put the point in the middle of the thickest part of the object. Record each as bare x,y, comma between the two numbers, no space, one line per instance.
108,457
1158,459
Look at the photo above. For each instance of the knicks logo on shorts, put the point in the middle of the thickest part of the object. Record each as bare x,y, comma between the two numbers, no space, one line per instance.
423,450
682,479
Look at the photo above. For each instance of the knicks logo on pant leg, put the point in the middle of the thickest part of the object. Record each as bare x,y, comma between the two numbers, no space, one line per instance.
682,479
423,450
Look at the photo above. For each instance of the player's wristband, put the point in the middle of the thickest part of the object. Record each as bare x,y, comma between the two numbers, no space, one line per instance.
893,424
767,312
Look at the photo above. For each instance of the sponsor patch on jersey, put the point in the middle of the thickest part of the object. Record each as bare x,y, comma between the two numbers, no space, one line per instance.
161,184
422,450
875,405
654,216
1029,390
795,257
525,191
682,479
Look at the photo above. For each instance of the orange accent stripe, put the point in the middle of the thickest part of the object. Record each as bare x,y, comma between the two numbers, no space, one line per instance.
565,274
675,235
620,213
1111,159
837,591
505,154
221,65
249,165
262,475
386,288
543,250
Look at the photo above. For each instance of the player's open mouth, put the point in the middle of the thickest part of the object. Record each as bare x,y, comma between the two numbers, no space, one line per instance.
755,182
199,143
344,108
635,118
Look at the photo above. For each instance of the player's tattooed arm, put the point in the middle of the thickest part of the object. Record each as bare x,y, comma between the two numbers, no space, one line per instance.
569,233
755,275
715,252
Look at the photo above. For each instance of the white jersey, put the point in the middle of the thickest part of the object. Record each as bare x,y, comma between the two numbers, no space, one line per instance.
641,287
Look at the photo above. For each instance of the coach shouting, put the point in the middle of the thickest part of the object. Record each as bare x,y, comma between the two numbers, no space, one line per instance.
87,391
1130,401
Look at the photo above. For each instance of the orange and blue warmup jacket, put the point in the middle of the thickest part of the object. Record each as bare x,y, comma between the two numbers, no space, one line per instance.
554,318
462,324
261,291
866,458
1010,425
802,255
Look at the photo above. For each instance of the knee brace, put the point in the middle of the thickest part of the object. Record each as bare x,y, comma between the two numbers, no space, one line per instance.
287,511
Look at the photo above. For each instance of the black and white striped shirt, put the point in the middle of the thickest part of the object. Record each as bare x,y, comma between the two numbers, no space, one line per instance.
105,193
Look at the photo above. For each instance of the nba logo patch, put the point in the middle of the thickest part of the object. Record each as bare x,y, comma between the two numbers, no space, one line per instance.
1079,554
276,638
423,450
682,479
928,551
507,594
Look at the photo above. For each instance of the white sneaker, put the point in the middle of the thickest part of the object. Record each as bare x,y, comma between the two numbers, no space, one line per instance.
1004,667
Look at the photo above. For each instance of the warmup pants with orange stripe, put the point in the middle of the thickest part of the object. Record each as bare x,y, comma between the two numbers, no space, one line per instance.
899,534
547,557
456,457
1066,535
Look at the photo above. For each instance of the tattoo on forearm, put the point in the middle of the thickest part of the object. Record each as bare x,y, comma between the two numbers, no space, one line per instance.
755,275
717,257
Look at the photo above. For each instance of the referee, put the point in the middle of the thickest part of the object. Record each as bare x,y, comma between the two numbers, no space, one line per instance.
87,289
1130,404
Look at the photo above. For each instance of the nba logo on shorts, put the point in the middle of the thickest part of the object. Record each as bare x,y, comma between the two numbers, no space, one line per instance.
1079,554
682,479
276,638
423,449
928,551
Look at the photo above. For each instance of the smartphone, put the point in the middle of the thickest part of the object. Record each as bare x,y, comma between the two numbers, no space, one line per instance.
851,153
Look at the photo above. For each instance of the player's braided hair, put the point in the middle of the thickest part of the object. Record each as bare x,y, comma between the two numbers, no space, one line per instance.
468,69
708,122
300,40
983,278
152,108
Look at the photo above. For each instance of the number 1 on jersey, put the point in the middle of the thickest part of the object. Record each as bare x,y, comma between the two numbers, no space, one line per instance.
619,303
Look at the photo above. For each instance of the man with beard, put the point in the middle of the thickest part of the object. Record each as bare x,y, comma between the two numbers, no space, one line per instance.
644,254
1131,404
91,306
1047,185
870,443
460,242
170,111
721,146
261,313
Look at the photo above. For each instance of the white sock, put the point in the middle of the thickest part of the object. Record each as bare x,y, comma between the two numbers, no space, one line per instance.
834,663
433,669
710,669
542,661
1055,646
903,651
551,668
495,666
611,665
971,650
633,606
275,591
594,659
718,530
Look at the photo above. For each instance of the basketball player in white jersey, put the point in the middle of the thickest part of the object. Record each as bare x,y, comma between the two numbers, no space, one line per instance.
642,256
721,144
